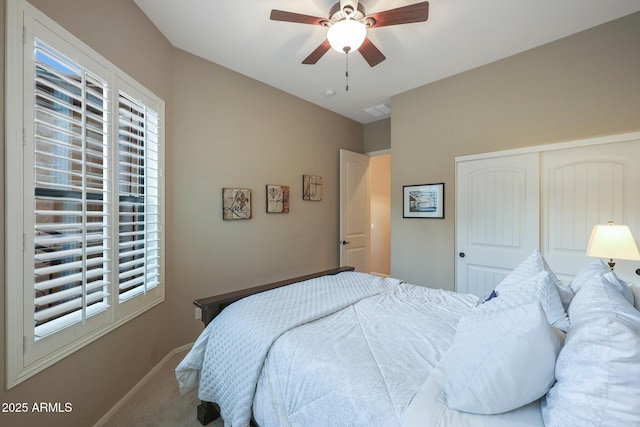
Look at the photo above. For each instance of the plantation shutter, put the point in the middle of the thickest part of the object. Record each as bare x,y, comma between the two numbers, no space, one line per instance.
139,203
84,194
71,193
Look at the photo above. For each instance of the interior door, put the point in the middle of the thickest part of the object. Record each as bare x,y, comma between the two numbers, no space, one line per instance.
497,218
355,211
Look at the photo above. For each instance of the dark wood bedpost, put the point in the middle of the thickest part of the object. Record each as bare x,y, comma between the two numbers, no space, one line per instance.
207,412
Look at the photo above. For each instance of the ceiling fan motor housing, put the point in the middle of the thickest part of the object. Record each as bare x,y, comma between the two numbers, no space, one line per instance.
339,12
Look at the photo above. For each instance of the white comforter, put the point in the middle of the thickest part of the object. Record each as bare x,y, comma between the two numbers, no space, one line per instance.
361,366
231,371
346,350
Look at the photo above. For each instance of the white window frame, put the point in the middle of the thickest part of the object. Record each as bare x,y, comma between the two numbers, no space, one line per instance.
26,355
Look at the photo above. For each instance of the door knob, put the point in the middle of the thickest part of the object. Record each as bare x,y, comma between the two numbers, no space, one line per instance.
344,242
461,255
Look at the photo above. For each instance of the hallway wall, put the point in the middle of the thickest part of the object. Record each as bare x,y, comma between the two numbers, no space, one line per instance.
380,170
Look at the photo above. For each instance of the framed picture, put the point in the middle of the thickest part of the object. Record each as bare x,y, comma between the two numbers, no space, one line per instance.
423,201
236,203
277,199
311,187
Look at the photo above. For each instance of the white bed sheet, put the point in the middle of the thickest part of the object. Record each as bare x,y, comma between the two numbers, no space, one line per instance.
427,410
361,366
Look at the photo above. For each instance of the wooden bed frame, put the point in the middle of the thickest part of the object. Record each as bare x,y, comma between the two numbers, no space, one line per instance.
212,306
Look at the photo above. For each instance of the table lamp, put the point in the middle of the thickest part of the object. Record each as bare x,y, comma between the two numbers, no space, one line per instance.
612,241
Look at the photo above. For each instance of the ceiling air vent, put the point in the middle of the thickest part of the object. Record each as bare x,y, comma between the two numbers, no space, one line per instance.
379,110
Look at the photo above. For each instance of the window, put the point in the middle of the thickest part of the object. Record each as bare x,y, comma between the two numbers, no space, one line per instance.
84,194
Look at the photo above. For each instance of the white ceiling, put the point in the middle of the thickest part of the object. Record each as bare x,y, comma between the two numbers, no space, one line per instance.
459,35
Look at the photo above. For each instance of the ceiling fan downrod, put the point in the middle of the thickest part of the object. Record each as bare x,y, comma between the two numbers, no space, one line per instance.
348,6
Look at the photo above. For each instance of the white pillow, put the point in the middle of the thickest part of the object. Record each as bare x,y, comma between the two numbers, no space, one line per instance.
539,287
532,265
598,297
598,369
620,285
500,360
635,290
598,373
588,271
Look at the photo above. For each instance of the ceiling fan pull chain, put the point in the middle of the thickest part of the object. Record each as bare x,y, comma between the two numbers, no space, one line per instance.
346,74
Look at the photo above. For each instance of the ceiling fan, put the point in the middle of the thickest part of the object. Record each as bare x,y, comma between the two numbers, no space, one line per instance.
351,13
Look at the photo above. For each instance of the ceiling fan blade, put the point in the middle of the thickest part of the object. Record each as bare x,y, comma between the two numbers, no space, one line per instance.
282,15
402,15
318,53
371,53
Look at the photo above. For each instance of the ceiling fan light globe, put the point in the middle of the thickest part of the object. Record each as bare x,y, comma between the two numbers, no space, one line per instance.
347,35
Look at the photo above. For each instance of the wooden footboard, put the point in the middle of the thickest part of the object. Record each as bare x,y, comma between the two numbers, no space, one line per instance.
212,306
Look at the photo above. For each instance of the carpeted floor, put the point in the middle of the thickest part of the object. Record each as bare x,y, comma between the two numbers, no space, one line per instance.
158,403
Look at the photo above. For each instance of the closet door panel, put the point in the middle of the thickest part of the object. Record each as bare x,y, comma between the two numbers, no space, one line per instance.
497,218
583,187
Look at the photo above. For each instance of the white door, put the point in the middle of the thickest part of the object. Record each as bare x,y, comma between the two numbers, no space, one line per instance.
355,215
583,187
497,212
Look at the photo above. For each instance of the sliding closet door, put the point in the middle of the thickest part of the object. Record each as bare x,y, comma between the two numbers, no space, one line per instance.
497,218
582,187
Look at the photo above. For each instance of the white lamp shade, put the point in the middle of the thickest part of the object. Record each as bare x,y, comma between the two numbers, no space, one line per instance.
612,241
346,35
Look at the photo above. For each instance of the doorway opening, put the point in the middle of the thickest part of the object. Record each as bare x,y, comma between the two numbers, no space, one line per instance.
380,189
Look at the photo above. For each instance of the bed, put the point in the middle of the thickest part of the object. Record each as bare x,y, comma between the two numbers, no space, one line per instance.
343,348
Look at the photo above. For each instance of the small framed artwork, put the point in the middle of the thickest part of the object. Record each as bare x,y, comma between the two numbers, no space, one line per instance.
423,201
277,199
311,187
236,203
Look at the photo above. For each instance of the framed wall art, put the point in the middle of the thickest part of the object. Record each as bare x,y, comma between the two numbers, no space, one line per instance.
236,203
311,187
423,201
277,199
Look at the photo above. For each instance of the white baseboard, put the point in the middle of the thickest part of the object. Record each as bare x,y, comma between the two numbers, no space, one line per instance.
102,421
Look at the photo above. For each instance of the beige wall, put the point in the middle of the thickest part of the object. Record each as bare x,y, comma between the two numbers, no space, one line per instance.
578,87
377,136
236,132
222,129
